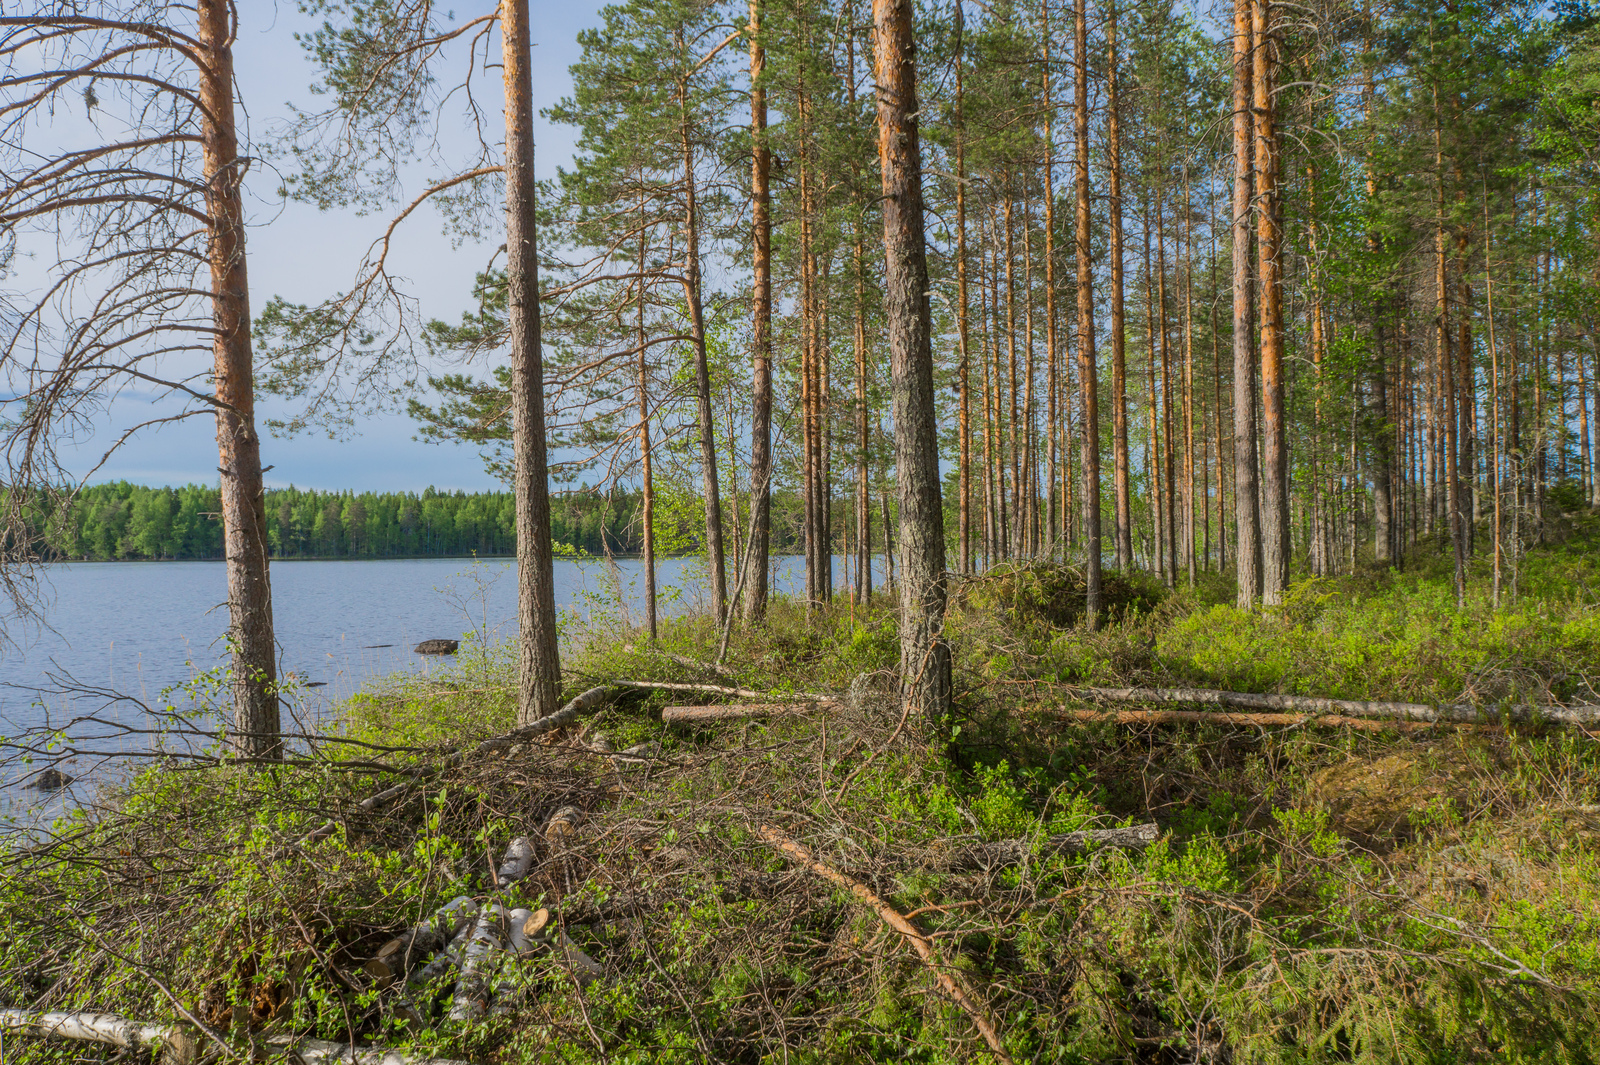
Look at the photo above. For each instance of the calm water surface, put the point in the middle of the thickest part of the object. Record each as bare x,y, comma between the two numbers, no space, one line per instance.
141,627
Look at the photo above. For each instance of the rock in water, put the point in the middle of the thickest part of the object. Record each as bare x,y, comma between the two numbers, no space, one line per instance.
437,647
51,779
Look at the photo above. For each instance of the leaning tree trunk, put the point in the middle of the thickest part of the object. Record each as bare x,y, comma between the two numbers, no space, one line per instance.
539,677
755,588
1086,361
924,656
715,568
1245,484
256,725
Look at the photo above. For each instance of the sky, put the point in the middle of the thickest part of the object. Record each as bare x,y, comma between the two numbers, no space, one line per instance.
305,255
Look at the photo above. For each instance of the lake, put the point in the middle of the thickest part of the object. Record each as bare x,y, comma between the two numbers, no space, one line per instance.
141,627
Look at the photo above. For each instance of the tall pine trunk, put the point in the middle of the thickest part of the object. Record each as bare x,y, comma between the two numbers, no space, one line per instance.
256,721
1090,410
924,656
1274,435
1119,360
539,679
1246,504
755,586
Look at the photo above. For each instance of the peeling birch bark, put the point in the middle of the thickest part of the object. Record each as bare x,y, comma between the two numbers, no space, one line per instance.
403,953
478,963
514,866
1565,715
1014,851
112,1029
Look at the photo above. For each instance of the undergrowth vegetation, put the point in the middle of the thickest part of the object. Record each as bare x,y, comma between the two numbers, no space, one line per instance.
1316,895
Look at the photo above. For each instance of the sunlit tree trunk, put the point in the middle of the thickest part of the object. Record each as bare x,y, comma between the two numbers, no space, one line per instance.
1274,437
1119,360
924,655
755,586
1247,542
1087,374
539,684
256,718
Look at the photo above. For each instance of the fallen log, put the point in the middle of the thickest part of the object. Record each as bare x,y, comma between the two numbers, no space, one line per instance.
562,824
174,1045
949,981
532,930
1316,704
688,715
1014,851
1224,717
478,962
396,958
514,866
718,689
323,1052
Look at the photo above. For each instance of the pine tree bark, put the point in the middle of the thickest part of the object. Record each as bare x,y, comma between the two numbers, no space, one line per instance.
1087,380
256,720
1247,543
963,325
539,676
1275,541
924,655
1119,361
755,587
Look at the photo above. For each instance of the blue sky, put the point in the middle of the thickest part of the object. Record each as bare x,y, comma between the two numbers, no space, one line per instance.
304,255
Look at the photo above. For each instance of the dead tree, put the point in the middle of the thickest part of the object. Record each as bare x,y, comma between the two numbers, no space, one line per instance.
147,286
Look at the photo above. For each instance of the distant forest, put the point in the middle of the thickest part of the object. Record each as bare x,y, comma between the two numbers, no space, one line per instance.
128,521
134,522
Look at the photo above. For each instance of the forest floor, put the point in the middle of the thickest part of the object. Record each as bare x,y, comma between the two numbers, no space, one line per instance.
1313,892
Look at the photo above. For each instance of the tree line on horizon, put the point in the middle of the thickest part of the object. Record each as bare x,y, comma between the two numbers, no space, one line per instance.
123,521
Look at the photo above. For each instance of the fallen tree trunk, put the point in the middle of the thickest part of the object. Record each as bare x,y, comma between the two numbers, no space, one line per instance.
323,1052
894,919
1224,717
396,958
176,1045
109,1028
1316,704
688,715
1014,851
514,866
717,689
478,962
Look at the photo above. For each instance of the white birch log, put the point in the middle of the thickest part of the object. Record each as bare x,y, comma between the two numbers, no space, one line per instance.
322,1052
404,952
532,931
1316,704
514,866
1014,851
478,963
111,1029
